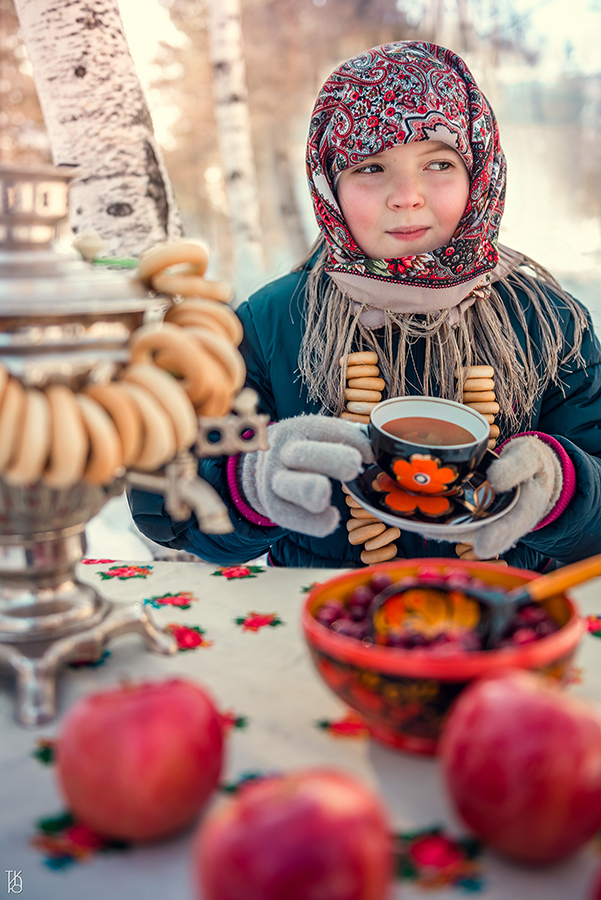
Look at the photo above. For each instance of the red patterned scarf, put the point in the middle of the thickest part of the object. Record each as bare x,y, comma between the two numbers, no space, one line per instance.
395,94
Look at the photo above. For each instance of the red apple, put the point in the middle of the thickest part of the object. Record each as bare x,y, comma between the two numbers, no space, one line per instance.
139,761
307,835
522,762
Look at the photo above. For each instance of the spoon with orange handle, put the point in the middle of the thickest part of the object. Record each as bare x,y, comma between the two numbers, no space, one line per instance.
442,598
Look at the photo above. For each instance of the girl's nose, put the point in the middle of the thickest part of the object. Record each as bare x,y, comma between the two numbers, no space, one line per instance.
405,193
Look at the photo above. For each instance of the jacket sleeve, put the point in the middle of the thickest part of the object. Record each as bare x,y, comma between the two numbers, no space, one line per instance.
247,541
571,413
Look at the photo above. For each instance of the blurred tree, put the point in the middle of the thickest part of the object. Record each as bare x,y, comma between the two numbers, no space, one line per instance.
98,122
22,132
230,97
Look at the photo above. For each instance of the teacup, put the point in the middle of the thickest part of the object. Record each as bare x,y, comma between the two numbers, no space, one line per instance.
427,445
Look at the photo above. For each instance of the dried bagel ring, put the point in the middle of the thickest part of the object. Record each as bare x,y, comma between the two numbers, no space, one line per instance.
172,253
106,453
3,380
197,312
382,554
172,398
11,412
159,432
125,414
361,358
225,354
69,442
186,284
33,441
355,417
182,351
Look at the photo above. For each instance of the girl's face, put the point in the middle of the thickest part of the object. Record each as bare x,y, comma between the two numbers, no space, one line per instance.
406,200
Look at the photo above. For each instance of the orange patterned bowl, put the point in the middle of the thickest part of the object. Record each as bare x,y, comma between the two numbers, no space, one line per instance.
404,695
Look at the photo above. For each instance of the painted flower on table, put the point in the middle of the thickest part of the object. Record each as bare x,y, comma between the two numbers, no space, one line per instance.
181,600
96,562
188,637
63,840
423,473
433,860
230,572
350,725
125,572
254,621
90,663
45,750
231,720
594,625
403,502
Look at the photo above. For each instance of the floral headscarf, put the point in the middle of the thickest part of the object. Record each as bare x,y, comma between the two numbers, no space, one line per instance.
395,94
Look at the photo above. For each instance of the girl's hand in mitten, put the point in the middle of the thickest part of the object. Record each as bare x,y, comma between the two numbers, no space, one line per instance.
535,467
290,482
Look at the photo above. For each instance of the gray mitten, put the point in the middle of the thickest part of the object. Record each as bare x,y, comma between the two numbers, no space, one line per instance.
536,468
290,482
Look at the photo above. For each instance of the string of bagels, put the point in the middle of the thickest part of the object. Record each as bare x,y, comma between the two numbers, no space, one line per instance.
187,365
364,386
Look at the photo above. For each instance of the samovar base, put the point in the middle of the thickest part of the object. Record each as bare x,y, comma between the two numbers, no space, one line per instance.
36,664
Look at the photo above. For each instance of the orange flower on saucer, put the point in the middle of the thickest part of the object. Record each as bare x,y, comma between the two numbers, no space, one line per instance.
423,474
403,502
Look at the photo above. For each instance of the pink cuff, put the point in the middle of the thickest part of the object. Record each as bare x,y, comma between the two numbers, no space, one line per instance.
239,502
567,470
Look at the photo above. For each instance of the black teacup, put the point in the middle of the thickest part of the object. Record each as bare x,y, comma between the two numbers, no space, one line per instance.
427,445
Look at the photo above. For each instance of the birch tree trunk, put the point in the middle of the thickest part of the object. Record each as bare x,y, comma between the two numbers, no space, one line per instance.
97,120
235,145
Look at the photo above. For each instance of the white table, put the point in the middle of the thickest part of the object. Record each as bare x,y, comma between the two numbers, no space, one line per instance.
267,677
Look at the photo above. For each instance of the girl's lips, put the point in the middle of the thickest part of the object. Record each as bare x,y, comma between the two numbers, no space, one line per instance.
408,235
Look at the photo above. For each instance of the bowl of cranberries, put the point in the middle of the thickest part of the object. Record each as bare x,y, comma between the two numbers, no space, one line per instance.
399,652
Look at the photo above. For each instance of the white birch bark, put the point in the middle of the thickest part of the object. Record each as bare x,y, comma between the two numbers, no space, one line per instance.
235,145
97,120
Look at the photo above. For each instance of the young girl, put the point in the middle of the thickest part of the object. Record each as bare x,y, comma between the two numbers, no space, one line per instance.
407,179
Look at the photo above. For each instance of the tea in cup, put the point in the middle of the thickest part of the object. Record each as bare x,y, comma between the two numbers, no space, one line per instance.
426,444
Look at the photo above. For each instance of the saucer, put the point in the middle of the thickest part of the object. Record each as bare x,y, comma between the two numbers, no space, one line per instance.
473,505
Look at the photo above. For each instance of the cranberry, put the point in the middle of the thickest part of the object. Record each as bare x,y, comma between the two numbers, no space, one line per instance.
361,596
428,573
531,615
524,636
469,640
357,613
349,629
326,616
380,581
544,629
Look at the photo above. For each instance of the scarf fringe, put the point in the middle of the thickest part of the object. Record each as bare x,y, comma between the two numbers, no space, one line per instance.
482,336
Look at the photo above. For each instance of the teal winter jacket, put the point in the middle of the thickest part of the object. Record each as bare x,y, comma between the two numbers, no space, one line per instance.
273,324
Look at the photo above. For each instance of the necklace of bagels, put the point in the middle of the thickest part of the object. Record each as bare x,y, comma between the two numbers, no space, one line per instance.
364,386
186,366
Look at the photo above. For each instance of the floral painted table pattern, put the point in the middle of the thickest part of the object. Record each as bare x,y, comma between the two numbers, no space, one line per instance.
238,633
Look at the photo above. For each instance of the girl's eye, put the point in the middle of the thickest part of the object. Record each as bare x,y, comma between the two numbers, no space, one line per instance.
440,165
369,169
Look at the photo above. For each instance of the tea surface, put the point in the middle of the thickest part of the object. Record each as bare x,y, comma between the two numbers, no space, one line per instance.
429,432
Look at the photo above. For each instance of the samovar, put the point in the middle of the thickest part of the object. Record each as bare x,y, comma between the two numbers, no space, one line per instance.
63,320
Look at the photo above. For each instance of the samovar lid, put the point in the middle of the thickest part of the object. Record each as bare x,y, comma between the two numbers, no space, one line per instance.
39,278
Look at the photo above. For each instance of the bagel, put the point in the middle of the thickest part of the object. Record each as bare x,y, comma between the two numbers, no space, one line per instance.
172,398
201,312
126,417
226,355
369,557
106,452
187,284
69,441
159,432
172,253
11,412
172,347
362,358
33,440
361,394
4,380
